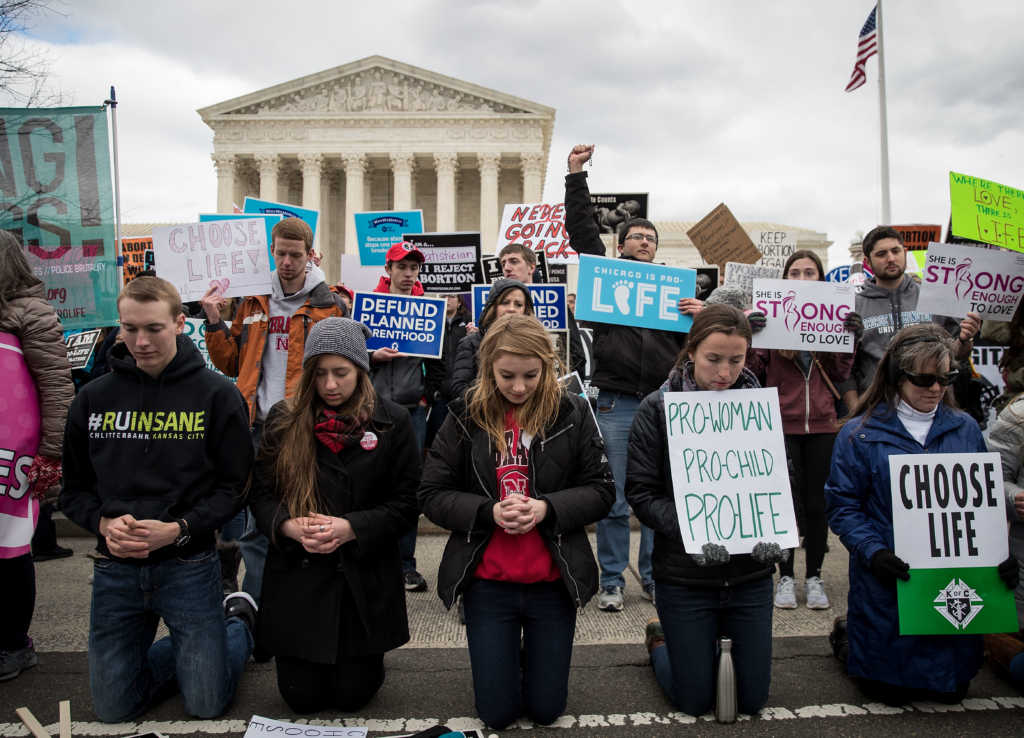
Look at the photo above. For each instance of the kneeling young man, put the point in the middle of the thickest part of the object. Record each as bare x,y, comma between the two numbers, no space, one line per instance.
156,458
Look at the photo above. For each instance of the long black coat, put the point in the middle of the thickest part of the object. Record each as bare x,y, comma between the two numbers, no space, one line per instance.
352,601
568,469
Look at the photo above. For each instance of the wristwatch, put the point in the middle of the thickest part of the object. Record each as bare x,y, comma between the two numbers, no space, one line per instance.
183,536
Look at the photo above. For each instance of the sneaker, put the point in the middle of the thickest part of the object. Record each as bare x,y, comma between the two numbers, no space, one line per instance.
785,594
14,662
816,597
241,605
57,552
610,599
648,592
414,581
654,635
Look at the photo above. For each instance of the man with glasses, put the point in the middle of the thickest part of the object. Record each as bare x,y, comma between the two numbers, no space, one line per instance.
629,364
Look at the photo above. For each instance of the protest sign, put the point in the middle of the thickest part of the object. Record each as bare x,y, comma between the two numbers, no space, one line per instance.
707,281
136,255
986,362
838,274
775,247
80,346
195,328
19,444
378,231
357,277
491,268
232,253
255,206
540,227
56,198
987,211
743,276
613,209
729,473
720,238
626,292
548,304
916,237
803,315
452,261
261,727
271,220
961,279
411,325
949,525
574,383
550,272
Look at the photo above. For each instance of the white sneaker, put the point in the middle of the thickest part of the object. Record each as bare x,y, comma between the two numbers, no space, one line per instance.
785,594
610,599
816,597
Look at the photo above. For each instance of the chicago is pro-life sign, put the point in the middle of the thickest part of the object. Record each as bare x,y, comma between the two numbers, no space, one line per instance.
957,280
803,315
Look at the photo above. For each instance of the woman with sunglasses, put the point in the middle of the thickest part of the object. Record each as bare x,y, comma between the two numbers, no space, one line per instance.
906,410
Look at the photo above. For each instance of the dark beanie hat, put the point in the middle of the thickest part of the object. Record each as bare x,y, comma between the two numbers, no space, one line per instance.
341,337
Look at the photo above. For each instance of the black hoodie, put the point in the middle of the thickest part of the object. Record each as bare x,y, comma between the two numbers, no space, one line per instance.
174,446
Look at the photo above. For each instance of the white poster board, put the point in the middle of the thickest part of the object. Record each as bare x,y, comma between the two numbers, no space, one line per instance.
729,472
357,277
957,280
743,276
803,315
775,246
537,226
261,727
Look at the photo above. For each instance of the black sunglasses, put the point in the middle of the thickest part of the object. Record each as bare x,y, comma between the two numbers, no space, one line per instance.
927,380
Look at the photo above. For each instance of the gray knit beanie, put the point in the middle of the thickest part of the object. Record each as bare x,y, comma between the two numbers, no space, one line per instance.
341,337
730,295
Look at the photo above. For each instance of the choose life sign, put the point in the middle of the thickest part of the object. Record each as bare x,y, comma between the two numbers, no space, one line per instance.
803,315
949,525
626,292
411,325
957,280
548,304
729,473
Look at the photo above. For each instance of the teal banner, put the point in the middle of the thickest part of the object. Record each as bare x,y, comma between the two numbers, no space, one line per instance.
56,197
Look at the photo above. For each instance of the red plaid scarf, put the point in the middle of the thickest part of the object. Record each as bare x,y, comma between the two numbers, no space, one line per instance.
336,431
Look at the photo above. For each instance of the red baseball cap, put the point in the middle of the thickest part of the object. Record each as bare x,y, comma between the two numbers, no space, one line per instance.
404,250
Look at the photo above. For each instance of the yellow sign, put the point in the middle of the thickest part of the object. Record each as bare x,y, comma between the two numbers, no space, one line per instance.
987,211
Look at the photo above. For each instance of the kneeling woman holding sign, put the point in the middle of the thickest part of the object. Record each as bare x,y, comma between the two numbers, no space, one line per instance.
333,489
516,472
704,595
906,410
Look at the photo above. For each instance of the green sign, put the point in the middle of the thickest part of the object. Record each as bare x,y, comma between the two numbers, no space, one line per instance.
987,211
56,197
954,601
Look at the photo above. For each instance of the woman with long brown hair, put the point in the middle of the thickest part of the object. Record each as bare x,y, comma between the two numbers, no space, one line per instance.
516,472
333,489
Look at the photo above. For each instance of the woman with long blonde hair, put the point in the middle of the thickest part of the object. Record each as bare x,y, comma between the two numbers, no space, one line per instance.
516,472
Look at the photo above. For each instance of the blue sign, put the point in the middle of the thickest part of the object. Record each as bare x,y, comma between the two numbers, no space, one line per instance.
377,232
266,207
270,220
839,274
548,304
627,292
412,325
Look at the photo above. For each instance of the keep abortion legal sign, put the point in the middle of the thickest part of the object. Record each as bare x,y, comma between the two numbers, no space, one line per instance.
803,315
957,280
411,325
729,473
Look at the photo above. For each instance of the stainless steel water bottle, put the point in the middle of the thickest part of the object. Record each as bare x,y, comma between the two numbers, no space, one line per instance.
725,701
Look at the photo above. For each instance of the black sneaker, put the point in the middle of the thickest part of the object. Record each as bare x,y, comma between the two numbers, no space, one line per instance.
57,552
242,606
414,581
14,662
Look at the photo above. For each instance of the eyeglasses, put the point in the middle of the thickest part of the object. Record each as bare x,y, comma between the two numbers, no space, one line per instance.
927,380
642,237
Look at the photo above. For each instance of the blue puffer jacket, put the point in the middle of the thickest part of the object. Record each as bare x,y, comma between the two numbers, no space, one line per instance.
859,504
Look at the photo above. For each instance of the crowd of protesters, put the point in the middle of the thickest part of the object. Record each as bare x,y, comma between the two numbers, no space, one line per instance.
314,466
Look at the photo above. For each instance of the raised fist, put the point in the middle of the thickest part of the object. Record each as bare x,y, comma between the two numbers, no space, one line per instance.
580,155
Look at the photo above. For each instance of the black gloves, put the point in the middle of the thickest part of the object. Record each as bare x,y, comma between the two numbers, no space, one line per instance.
757,320
712,554
855,325
769,553
889,567
1009,572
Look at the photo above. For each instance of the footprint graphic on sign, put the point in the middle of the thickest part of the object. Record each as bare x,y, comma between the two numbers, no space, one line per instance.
620,291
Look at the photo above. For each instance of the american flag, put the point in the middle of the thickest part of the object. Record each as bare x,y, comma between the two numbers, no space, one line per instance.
867,46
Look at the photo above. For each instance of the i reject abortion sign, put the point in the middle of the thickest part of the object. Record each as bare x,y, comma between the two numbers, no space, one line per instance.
803,315
967,279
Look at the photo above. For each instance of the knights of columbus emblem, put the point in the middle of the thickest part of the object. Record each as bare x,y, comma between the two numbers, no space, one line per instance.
959,603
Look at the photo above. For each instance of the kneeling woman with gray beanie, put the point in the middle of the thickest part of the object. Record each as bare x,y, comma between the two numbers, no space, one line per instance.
334,488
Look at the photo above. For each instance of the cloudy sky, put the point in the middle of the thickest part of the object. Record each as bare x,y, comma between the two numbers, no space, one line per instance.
694,102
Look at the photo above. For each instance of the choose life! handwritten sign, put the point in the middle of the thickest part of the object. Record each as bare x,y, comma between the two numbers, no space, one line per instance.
949,525
548,304
411,325
729,473
803,315
961,279
987,211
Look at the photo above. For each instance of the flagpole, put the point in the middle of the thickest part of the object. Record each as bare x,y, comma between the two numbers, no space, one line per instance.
112,102
883,120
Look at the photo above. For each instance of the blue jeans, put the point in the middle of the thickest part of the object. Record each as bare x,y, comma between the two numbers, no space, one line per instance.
500,615
407,543
693,618
204,654
615,412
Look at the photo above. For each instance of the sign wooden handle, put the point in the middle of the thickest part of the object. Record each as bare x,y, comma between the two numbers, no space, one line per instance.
30,722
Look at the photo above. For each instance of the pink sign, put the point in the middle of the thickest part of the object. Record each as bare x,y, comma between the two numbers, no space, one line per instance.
19,440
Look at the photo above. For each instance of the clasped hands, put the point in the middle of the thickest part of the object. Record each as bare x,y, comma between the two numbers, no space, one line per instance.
517,514
317,533
128,538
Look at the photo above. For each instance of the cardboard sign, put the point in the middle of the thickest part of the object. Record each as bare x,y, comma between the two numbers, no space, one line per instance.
412,325
195,328
491,268
987,211
775,247
539,226
261,727
452,261
916,237
743,276
270,219
949,524
255,206
803,315
720,238
80,347
548,304
378,231
626,292
192,256
961,279
136,255
729,472
611,210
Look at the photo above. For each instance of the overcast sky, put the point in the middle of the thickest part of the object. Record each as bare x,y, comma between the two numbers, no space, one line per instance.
694,102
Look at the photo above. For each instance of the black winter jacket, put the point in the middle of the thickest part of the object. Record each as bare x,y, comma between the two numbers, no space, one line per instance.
454,332
626,359
568,470
649,492
319,607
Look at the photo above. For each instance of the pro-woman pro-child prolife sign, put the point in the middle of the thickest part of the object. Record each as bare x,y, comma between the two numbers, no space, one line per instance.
729,473
803,315
949,525
957,280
